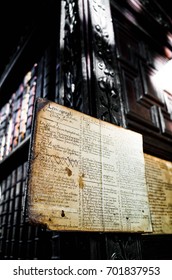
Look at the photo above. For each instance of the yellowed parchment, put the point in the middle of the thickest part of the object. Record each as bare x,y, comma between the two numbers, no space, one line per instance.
159,182
86,174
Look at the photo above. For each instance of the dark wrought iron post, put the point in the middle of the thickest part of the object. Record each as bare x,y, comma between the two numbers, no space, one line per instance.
89,73
74,79
106,83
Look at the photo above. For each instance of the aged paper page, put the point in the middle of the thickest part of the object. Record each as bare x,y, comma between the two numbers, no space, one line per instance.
125,193
159,182
54,192
86,174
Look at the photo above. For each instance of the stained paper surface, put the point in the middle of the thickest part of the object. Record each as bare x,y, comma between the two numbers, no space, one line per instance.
86,174
159,182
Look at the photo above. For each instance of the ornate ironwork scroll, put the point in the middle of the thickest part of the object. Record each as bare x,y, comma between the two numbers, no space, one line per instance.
70,91
107,85
124,247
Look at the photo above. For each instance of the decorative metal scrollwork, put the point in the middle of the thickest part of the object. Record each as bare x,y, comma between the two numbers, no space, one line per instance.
104,61
124,247
72,57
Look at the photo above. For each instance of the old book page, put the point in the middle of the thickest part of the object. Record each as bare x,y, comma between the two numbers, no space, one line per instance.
159,182
86,174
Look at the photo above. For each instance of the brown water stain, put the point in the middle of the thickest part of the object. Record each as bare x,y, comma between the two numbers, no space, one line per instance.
81,181
69,172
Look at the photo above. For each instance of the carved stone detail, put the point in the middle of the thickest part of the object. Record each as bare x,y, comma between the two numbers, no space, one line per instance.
107,84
